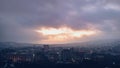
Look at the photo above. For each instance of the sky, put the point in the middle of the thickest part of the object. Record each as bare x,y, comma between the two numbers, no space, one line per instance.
59,21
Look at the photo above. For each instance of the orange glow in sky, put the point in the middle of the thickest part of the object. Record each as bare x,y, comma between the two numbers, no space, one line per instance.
63,34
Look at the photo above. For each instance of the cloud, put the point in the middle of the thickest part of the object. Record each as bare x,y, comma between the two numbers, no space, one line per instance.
23,16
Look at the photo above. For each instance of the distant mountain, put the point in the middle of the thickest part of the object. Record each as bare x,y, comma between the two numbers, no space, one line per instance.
106,42
13,44
97,43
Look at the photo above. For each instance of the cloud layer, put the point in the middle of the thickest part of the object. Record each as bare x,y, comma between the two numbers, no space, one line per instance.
18,18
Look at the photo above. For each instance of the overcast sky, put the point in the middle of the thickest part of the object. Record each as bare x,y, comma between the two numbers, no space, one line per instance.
18,18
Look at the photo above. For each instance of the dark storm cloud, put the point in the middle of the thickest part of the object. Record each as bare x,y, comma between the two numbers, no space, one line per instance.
22,16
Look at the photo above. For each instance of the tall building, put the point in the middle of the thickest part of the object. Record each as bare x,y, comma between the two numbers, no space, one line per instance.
46,47
66,55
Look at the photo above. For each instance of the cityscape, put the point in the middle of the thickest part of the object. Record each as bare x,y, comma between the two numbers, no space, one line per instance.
59,33
48,56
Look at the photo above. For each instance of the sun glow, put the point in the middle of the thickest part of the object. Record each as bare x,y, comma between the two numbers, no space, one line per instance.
63,34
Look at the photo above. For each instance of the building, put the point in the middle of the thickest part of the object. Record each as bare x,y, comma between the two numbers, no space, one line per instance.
66,55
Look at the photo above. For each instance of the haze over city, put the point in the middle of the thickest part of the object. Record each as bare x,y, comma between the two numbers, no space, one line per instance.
59,21
59,33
